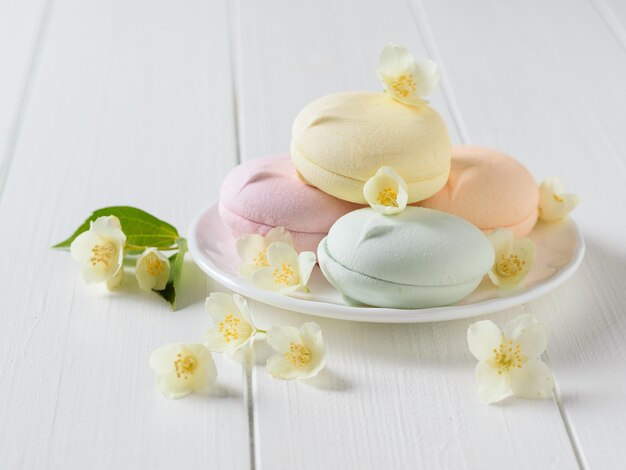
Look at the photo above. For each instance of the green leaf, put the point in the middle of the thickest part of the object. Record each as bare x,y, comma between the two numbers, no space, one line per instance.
141,229
176,269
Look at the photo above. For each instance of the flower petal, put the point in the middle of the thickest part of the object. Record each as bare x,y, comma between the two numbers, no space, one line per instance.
80,249
161,359
220,304
394,60
280,337
278,234
249,247
532,380
554,203
206,374
502,241
426,73
108,227
108,246
306,263
524,250
482,338
228,333
279,253
529,333
492,387
95,274
311,335
280,367
246,270
172,386
116,279
152,270
242,306
386,191
215,341
513,258
404,78
264,279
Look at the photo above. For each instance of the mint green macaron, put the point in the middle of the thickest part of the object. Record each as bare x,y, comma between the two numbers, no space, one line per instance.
416,259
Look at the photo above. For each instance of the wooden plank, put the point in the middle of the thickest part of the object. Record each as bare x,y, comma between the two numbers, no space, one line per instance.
613,12
21,22
548,88
393,396
132,104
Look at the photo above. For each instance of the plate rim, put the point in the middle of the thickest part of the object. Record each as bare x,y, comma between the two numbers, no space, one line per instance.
381,314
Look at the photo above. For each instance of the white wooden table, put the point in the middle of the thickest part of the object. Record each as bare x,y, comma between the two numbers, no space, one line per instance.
151,102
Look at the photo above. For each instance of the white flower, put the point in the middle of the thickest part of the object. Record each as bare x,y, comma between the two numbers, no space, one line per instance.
301,353
406,79
233,327
554,203
386,191
183,368
509,363
100,251
152,270
116,280
251,249
287,272
514,258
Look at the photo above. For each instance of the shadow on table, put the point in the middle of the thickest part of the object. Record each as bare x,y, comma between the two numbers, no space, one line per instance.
194,288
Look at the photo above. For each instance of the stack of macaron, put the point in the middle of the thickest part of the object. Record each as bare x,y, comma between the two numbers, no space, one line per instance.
434,251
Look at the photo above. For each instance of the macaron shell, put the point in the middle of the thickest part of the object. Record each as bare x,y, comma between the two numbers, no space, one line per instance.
372,291
489,189
418,258
241,226
339,141
419,247
264,193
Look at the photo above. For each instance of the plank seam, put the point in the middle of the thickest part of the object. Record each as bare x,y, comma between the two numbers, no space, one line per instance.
611,20
423,27
233,16
428,38
24,97
249,402
566,424
234,72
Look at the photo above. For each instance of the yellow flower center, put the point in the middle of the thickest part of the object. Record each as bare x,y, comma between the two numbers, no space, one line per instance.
404,85
102,254
298,354
509,266
260,261
185,366
232,328
557,198
154,266
286,275
508,356
388,197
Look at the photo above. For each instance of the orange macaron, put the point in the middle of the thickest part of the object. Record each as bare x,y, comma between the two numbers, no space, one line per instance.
490,189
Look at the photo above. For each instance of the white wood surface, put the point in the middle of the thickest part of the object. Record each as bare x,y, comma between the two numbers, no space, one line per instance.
564,115
22,24
393,395
126,107
134,103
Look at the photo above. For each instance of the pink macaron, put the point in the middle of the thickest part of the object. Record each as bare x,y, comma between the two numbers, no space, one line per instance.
264,193
490,189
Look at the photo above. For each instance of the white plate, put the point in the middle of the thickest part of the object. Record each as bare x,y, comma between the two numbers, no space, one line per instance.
560,249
